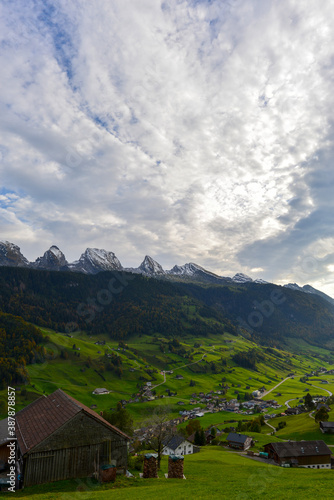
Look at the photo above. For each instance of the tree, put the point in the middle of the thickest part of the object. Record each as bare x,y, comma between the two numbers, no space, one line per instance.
120,418
200,438
193,426
308,401
162,430
321,415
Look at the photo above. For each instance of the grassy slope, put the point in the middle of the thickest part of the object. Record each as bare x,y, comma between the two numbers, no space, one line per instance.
69,375
213,473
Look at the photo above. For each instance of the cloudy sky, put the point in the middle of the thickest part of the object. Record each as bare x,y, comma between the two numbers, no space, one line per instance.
189,130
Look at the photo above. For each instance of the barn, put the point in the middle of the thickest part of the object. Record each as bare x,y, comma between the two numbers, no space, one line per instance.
60,438
309,454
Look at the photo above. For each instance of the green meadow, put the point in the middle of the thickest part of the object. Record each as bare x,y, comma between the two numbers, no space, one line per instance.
212,473
205,366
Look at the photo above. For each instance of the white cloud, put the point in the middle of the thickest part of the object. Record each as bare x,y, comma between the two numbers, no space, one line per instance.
193,131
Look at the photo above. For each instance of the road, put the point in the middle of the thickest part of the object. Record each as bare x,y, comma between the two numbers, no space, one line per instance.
267,392
178,368
323,389
273,428
287,402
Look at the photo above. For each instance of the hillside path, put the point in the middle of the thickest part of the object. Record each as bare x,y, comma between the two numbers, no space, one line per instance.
323,389
287,402
269,425
267,392
178,368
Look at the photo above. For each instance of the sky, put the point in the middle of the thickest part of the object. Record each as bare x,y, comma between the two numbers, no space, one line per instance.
189,130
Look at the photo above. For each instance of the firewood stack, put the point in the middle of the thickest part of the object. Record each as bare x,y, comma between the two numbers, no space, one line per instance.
150,465
175,466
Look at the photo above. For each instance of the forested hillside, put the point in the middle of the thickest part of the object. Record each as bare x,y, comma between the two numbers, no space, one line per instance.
18,347
125,305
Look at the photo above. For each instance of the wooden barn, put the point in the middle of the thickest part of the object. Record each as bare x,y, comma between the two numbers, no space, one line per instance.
60,438
327,427
310,454
239,441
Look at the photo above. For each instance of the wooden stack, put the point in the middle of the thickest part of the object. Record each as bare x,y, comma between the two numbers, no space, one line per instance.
108,473
150,466
175,467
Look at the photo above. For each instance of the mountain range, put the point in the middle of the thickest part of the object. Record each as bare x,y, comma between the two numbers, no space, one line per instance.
95,260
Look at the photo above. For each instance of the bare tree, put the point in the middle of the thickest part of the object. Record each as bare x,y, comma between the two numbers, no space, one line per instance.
161,430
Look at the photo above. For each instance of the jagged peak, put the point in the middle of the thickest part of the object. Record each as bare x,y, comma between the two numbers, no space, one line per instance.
151,266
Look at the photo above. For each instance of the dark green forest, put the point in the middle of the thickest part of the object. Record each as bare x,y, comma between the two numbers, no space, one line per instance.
125,305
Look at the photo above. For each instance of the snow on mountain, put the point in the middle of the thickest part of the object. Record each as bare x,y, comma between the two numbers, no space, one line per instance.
53,260
94,260
309,289
195,272
241,278
10,255
149,267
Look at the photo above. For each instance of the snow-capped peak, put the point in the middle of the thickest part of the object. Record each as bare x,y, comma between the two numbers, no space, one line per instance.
241,278
150,266
10,255
53,259
94,260
56,252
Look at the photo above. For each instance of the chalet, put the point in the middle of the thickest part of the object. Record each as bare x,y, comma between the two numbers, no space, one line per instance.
323,405
177,445
100,391
239,441
327,427
60,438
309,454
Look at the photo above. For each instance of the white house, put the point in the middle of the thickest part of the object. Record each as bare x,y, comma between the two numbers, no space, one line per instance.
177,445
100,391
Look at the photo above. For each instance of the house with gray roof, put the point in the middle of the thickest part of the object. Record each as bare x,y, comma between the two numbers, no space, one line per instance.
177,445
239,441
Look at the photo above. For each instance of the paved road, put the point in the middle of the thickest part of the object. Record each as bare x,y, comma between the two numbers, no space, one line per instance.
287,402
269,425
323,389
267,392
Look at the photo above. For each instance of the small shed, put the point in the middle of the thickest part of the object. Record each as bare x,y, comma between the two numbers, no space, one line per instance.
60,438
327,427
239,441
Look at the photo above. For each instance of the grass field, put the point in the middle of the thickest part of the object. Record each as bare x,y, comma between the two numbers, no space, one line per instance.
211,474
151,353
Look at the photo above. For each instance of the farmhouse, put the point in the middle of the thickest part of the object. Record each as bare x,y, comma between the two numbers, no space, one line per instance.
177,445
60,438
100,391
309,454
327,427
239,441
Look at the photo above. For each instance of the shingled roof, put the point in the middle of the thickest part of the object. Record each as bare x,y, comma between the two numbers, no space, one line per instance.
44,416
174,442
301,449
237,438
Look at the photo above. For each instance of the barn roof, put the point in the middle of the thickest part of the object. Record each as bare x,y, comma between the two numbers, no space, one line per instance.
44,416
236,438
301,448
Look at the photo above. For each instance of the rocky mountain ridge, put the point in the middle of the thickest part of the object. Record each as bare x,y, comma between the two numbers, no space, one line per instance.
95,260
